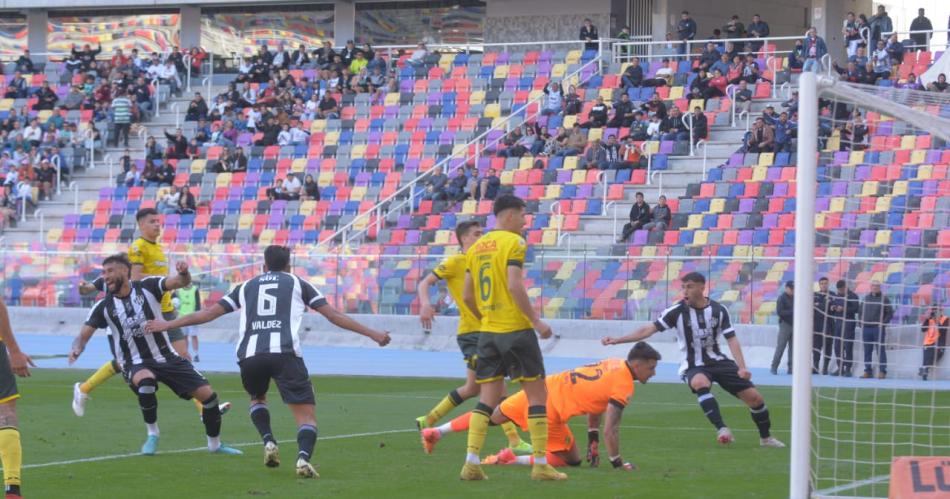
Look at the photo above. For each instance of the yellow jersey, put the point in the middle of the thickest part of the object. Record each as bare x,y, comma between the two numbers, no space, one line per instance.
152,259
452,271
487,261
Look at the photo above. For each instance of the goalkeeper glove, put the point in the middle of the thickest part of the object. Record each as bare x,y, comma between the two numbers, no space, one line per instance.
593,453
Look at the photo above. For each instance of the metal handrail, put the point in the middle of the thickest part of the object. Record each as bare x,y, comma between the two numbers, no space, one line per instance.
731,93
73,186
931,32
42,216
687,120
555,210
704,143
343,232
602,178
689,44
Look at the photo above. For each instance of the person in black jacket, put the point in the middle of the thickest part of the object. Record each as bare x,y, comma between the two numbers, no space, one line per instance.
785,308
639,215
597,117
845,306
632,76
823,332
177,142
589,35
24,63
623,113
876,313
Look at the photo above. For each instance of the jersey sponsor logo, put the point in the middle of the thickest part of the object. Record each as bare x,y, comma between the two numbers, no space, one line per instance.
486,246
259,325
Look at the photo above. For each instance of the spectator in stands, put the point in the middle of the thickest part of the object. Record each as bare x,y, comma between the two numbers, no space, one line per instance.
328,107
86,56
168,204
486,188
33,133
24,64
418,56
16,87
624,37
638,127
940,85
723,65
784,131
166,174
574,143
631,155
685,30
24,193
597,117
239,162
224,163
709,56
852,73
152,150
735,29
760,137
554,100
589,35
284,137
785,310
757,29
457,191
672,127
911,83
121,118
860,58
854,134
46,180
660,216
815,49
311,190
197,108
845,306
880,24
920,23
8,211
594,157
655,107
822,330
882,63
613,160
623,112
876,313
851,34
187,204
177,144
743,97
895,50
46,98
639,216
796,60
74,98
700,124
129,176
435,185
935,328
632,76
292,187
572,101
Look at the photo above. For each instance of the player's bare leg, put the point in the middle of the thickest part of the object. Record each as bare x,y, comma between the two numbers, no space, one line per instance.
760,416
489,397
306,438
537,394
194,345
146,386
701,386
211,417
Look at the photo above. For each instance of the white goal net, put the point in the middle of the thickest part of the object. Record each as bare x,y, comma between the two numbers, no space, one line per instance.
875,385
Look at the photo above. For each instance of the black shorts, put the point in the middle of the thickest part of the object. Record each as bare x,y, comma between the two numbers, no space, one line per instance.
178,374
724,372
468,344
288,372
516,355
8,389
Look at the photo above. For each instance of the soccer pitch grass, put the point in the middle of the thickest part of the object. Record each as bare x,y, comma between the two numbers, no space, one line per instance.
368,446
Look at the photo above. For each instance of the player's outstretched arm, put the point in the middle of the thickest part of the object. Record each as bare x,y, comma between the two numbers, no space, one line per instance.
736,350
638,335
19,361
197,318
79,344
179,280
468,296
426,312
341,320
612,438
520,295
86,288
593,440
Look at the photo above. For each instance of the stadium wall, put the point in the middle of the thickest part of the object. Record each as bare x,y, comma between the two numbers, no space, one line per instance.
533,20
577,338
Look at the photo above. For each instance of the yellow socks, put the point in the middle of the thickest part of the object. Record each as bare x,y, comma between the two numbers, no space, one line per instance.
477,430
538,428
445,406
99,377
10,455
511,431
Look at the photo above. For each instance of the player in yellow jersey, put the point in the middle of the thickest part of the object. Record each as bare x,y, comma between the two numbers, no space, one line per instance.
452,271
148,259
604,387
507,346
12,362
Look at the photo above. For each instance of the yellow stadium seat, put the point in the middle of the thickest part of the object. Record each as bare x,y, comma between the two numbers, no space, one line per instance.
392,99
570,162
819,220
507,177
6,104
88,207
869,188
44,115
266,237
833,252
569,121
535,94
676,93
566,270
469,206
549,237
358,193
856,158
331,138
759,173
222,180
321,125
836,205
730,295
883,204
900,188
648,251
477,97
595,134
552,192
573,57
308,207
834,142
740,251
526,163
651,147
246,221
492,110
557,71
607,94
918,156
579,177
553,306
766,158
442,237
700,237
54,235
695,221
501,71
925,172
694,103
325,178
358,151
882,238
299,165
198,165
718,205
908,141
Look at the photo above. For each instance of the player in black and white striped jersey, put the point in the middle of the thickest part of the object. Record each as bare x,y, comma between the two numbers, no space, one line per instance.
272,306
699,323
147,359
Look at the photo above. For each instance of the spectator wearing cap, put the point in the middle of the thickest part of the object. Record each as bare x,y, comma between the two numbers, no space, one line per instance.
876,313
785,309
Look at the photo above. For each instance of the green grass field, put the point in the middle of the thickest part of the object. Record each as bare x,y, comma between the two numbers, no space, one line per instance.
368,447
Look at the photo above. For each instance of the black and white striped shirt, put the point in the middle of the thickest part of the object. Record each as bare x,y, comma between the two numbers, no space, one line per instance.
272,307
697,331
126,318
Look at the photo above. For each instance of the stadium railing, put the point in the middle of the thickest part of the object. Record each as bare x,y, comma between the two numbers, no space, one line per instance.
931,44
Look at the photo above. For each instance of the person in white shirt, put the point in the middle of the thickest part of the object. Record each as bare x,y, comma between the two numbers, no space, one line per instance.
33,133
24,193
253,116
418,56
311,107
169,202
169,74
292,187
285,138
299,135
653,129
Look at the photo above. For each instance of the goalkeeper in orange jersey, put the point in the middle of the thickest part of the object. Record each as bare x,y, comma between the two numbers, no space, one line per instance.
594,389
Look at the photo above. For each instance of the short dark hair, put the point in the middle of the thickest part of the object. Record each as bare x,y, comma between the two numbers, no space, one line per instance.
822,278
276,258
841,284
463,227
119,258
639,194
694,277
790,284
145,212
643,351
507,202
